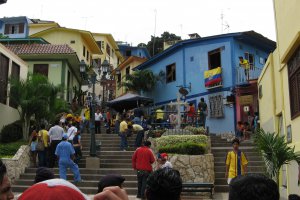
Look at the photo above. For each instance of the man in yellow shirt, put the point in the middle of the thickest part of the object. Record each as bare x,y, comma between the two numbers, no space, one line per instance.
236,162
123,133
43,155
245,64
159,113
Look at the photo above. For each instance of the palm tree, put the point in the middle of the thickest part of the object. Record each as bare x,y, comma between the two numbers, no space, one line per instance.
141,80
275,152
34,97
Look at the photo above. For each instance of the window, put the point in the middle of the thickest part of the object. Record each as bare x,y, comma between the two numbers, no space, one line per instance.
216,108
127,71
250,58
294,83
41,69
4,65
14,28
214,58
128,53
87,55
171,73
192,58
83,51
108,49
15,74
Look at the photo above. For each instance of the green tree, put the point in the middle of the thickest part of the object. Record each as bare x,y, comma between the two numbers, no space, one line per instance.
141,80
35,98
159,42
275,152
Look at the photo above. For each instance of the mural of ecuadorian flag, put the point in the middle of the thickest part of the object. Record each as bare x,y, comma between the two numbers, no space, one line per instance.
213,76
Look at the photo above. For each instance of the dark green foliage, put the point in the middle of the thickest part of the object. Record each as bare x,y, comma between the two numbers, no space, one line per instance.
11,132
10,149
184,148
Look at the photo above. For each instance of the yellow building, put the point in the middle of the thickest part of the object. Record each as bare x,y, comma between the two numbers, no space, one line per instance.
10,66
279,88
111,53
126,68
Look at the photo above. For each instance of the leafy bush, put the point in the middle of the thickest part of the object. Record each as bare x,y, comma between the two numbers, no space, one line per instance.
179,139
187,148
10,149
11,132
196,130
177,132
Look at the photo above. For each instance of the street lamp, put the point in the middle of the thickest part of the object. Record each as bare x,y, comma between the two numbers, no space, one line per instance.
91,77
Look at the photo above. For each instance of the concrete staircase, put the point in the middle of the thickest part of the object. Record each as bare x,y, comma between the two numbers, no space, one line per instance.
220,147
112,161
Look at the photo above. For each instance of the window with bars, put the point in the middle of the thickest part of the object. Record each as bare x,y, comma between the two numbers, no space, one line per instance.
294,83
14,28
216,107
108,49
15,74
4,65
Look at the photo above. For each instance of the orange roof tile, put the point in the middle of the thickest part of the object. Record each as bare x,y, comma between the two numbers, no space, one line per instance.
22,49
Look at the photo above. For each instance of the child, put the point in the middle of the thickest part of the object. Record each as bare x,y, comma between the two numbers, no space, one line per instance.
239,130
32,143
162,160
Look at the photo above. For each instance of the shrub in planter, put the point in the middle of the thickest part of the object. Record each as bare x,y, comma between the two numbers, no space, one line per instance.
196,130
179,139
11,132
188,148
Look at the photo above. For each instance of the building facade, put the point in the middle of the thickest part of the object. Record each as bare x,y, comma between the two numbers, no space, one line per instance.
209,67
279,93
10,66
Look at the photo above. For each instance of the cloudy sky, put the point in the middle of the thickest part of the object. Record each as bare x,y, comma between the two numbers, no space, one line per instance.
135,21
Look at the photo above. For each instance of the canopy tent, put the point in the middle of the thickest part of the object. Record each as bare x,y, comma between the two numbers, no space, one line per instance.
129,101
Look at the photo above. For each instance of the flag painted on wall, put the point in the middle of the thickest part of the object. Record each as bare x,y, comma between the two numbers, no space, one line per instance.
213,76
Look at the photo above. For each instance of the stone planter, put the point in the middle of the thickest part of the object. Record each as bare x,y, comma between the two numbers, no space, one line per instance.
194,168
16,165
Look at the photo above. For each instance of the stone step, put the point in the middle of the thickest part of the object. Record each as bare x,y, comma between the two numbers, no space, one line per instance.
250,158
223,154
222,188
219,174
225,144
86,177
85,190
85,183
250,168
221,181
93,171
251,163
226,149
86,151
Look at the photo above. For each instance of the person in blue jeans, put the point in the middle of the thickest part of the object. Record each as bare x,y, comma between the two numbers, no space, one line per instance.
65,151
123,134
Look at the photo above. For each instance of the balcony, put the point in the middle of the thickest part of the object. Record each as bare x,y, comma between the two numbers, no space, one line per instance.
242,77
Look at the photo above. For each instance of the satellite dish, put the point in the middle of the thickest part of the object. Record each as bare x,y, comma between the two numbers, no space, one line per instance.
183,91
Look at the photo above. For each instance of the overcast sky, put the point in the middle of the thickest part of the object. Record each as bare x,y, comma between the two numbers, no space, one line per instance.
134,20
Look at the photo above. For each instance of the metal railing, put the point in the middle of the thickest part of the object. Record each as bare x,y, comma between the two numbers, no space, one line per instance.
244,76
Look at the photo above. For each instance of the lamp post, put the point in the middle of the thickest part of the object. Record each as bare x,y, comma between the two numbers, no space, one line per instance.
105,69
91,78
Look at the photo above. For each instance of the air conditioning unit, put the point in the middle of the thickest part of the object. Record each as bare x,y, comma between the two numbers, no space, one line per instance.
3,1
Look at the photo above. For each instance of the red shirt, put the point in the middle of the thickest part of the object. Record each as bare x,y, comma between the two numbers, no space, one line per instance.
142,159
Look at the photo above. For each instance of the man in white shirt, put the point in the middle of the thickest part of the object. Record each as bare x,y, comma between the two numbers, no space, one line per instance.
98,118
55,134
71,132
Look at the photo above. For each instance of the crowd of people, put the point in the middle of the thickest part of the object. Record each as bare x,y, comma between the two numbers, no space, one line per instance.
162,184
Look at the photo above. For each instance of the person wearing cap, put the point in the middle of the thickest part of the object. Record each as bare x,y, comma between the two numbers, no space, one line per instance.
110,180
236,162
53,189
163,162
142,161
64,152
5,186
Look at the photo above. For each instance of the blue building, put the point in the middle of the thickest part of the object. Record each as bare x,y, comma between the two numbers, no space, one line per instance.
126,50
14,27
186,63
